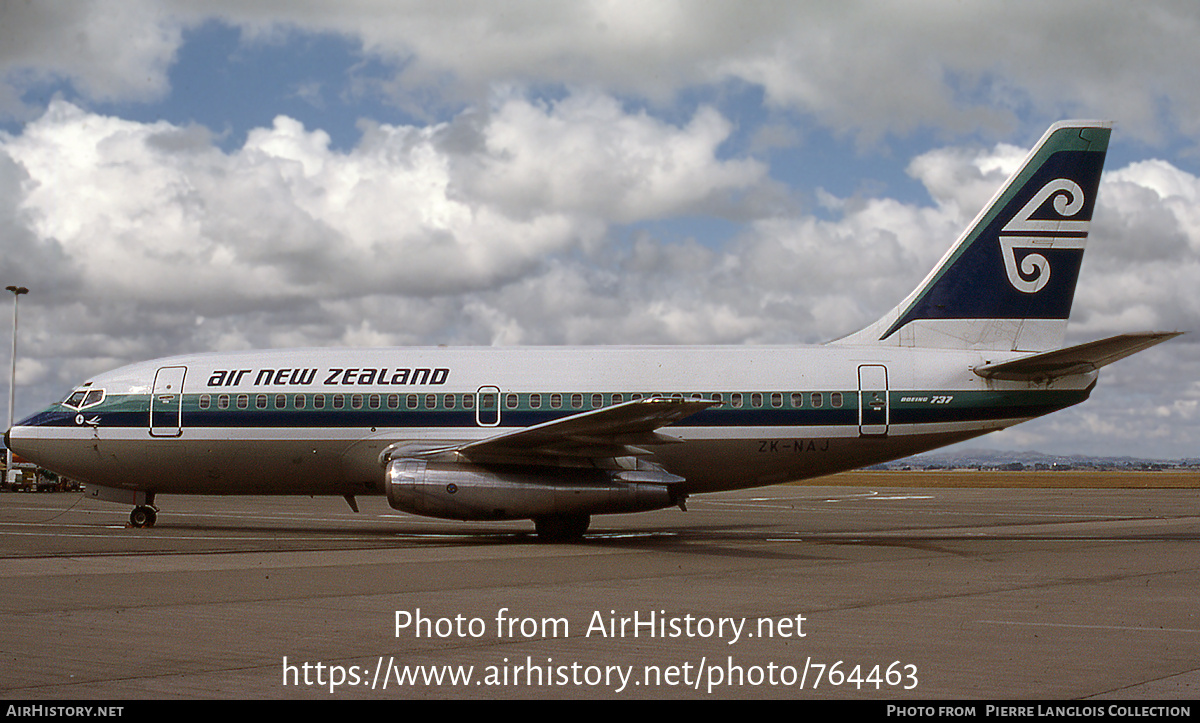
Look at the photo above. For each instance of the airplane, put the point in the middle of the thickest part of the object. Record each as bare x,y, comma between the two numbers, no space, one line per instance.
558,434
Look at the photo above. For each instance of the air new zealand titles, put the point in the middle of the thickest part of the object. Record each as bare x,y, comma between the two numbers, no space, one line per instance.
336,376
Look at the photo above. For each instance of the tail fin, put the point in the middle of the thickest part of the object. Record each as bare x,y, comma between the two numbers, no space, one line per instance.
1009,281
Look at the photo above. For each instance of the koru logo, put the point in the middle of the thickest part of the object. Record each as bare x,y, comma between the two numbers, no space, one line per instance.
1042,234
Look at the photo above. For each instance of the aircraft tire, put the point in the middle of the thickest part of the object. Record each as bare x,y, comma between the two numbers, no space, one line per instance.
561,528
143,516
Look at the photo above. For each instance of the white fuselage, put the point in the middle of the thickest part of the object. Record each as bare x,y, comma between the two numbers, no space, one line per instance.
315,421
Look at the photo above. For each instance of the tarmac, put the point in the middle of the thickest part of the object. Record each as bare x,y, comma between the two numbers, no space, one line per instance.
798,592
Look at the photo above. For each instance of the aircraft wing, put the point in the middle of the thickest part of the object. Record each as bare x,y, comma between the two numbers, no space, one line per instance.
1074,359
617,431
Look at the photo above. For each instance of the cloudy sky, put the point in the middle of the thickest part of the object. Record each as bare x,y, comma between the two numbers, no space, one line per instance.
179,176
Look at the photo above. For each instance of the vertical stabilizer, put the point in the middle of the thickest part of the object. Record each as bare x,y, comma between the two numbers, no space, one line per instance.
1009,281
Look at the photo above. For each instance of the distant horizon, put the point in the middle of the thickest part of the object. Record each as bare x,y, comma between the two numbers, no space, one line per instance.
1012,456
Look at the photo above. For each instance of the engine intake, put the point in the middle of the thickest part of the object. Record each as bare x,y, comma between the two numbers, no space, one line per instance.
471,492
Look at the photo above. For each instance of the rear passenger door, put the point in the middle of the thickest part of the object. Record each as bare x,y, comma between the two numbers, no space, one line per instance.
873,412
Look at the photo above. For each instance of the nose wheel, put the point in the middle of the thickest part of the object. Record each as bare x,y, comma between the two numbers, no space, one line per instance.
143,516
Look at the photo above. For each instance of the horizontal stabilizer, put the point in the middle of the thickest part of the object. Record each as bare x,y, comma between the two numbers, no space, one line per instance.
1079,359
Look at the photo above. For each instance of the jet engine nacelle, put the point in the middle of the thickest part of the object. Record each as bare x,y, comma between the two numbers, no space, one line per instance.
471,492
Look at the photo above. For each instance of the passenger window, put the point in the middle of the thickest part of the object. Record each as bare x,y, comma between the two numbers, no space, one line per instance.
817,399
280,401
451,400
597,401
618,398
577,401
468,401
223,401
797,399
511,401
318,401
205,401
535,401
431,401
411,401
374,401
339,401
243,401
356,401
300,401
735,400
776,399
756,399
555,401
393,401
260,401
836,399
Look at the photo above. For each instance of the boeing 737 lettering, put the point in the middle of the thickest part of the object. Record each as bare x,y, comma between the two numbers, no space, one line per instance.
557,435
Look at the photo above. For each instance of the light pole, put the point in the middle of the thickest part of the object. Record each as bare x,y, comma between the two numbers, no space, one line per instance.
12,386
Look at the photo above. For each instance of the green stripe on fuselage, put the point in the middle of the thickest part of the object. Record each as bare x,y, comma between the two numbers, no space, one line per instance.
772,408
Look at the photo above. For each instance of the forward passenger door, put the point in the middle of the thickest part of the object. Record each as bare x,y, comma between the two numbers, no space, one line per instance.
166,402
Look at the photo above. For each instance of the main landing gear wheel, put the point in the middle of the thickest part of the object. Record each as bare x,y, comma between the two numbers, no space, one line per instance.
143,516
561,528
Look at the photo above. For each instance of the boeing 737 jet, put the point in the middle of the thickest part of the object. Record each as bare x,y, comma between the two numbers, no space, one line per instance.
557,435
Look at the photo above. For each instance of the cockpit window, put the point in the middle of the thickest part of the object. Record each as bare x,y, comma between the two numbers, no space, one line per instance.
81,398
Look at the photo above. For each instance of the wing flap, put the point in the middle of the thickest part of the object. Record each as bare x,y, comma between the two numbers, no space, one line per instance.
619,430
1079,359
